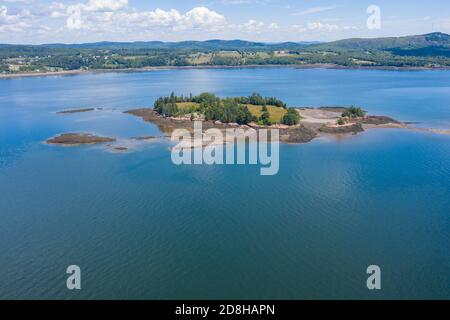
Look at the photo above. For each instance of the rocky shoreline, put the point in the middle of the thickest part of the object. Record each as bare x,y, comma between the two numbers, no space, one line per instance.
315,123
294,134
305,132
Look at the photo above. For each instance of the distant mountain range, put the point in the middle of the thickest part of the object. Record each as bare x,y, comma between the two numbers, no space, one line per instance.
209,45
418,44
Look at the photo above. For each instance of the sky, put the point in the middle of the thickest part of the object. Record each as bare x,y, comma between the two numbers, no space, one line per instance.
79,21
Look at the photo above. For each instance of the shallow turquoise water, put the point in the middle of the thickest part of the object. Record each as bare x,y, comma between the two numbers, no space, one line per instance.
140,227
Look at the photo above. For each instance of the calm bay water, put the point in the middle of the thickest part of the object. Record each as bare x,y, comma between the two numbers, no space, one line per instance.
140,227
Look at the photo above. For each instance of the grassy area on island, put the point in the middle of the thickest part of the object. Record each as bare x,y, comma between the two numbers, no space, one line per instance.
276,114
187,107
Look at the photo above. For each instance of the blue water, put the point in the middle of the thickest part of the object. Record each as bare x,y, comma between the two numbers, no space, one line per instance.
141,227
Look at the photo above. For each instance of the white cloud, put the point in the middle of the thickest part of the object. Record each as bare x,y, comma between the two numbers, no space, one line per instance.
59,9
18,1
117,20
199,18
104,5
58,14
321,27
274,26
253,26
13,22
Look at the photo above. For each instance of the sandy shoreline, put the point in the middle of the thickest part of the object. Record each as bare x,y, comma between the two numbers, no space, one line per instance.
148,69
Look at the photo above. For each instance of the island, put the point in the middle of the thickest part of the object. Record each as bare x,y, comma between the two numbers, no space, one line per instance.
296,125
75,139
80,110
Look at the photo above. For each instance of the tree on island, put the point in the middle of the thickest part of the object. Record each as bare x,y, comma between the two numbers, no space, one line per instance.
227,111
166,106
291,118
354,112
265,117
341,121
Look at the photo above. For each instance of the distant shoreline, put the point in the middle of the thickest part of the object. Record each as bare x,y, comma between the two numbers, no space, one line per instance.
159,68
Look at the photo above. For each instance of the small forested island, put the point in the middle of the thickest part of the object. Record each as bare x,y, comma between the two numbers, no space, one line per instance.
296,125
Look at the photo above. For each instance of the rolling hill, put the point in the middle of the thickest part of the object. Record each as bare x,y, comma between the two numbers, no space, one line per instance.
431,40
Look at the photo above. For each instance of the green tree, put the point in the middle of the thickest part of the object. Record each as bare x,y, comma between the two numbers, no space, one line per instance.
291,118
341,121
354,112
265,116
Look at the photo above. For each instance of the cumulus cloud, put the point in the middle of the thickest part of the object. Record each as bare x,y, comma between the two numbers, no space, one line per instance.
119,20
104,5
253,26
201,17
74,11
86,20
13,22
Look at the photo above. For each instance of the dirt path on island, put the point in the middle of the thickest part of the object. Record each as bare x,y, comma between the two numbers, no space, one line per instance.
318,115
